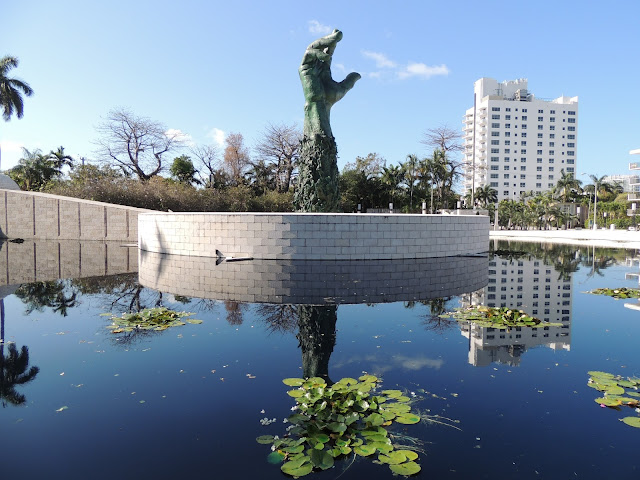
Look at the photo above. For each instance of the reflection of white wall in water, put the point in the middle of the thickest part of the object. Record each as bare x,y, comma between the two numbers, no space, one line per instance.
527,285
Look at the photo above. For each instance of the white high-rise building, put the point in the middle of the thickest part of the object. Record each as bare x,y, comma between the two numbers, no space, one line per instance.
515,142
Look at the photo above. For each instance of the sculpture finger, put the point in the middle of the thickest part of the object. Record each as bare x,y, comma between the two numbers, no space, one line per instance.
328,41
340,89
311,55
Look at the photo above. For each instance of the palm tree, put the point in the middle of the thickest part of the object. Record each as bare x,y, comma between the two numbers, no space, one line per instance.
598,186
486,195
392,177
566,186
10,90
35,170
410,169
13,372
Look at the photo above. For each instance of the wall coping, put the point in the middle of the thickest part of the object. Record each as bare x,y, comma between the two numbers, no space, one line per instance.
79,200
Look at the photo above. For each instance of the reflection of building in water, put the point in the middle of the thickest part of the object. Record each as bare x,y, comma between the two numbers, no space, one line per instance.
634,263
527,285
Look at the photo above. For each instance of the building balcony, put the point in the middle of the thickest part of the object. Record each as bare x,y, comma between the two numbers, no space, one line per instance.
633,196
634,166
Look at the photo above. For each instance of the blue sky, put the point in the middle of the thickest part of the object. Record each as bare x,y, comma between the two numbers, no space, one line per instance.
213,67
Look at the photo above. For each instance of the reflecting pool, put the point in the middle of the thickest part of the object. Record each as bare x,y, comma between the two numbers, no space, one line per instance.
190,401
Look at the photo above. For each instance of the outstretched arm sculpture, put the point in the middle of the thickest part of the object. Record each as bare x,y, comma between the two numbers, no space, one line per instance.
318,179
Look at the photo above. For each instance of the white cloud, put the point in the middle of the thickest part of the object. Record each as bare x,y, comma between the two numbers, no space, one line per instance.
382,61
374,74
180,135
423,70
217,136
316,28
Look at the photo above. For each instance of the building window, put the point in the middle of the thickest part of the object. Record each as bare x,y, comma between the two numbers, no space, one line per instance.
508,134
523,168
539,152
495,150
495,125
540,127
538,177
506,159
540,119
571,153
551,160
571,129
495,109
570,161
506,150
494,184
508,109
552,135
494,167
571,112
495,134
551,169
495,142
538,169
572,120
507,117
494,175
524,110
538,185
552,127
539,135
507,125
495,117
552,119
506,175
523,151
522,184
552,112
552,152
571,137
494,159
570,169
549,185
550,177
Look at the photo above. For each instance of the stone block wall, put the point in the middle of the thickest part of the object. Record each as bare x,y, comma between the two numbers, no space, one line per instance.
317,236
33,215
313,281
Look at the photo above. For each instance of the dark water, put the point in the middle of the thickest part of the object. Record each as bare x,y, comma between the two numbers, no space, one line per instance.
187,402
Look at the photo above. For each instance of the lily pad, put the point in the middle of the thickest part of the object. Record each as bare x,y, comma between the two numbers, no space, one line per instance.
407,419
364,450
296,468
265,439
406,469
293,382
321,459
275,457
632,421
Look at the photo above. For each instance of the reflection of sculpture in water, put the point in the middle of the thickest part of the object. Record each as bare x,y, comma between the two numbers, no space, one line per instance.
318,165
316,335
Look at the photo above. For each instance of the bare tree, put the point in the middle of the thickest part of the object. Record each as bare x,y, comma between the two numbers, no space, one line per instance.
280,146
208,162
443,138
135,144
236,156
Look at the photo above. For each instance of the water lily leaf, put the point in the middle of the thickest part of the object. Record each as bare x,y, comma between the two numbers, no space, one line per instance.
368,378
374,431
393,458
297,418
337,427
321,459
375,419
351,418
397,407
345,450
364,450
388,415
609,401
632,421
407,419
409,454
275,457
296,393
320,437
626,384
347,381
402,399
293,382
614,390
406,469
633,394
194,321
377,438
265,439
296,469
601,374
392,393
316,382
295,449
382,447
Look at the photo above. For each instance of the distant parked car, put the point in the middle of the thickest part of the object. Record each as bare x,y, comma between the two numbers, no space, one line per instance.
632,229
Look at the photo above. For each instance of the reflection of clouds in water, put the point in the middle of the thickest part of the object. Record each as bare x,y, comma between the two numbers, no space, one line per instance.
380,365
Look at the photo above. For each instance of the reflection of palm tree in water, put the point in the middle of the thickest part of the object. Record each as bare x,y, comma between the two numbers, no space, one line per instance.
50,294
317,337
13,369
433,321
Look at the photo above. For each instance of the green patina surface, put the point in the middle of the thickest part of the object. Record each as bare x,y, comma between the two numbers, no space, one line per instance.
318,168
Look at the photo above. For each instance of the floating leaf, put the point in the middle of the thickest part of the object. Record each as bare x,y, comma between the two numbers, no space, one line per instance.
321,459
407,419
632,421
194,321
615,390
297,469
275,457
601,374
393,458
296,393
364,450
265,439
409,454
609,401
406,469
375,419
392,393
